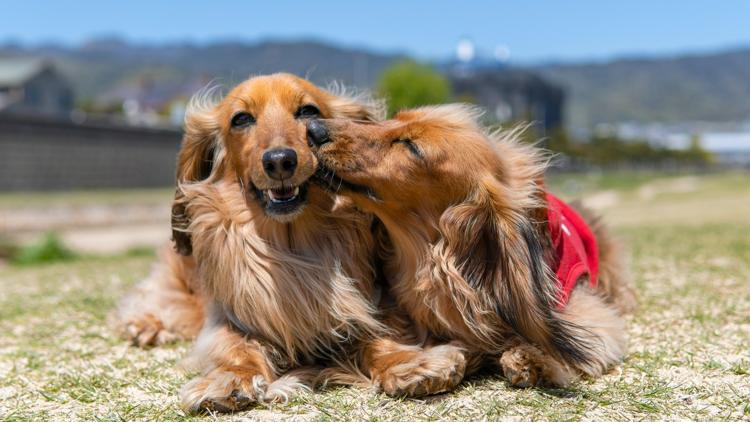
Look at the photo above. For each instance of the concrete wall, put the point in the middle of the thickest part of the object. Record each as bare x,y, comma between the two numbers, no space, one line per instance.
59,155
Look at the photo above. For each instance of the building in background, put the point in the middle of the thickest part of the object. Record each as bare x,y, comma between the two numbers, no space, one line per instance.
45,145
33,86
511,95
507,94
729,142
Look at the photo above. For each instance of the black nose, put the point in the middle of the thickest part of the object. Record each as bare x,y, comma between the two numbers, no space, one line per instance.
280,163
317,133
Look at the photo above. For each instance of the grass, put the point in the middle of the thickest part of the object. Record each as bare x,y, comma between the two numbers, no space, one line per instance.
689,354
49,249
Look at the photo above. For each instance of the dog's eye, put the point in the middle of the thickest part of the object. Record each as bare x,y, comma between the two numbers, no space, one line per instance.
413,148
242,119
307,111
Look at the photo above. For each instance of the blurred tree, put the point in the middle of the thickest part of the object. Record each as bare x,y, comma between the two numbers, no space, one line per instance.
607,150
559,141
696,153
410,84
89,105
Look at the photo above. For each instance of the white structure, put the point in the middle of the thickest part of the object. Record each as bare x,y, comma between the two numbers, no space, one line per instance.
465,51
730,141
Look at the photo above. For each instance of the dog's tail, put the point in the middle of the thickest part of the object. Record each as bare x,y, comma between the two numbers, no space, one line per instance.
542,321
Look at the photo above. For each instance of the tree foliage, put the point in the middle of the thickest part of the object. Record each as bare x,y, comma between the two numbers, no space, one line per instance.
409,84
608,150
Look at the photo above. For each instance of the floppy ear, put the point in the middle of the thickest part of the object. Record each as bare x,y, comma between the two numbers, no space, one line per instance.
502,254
195,162
354,105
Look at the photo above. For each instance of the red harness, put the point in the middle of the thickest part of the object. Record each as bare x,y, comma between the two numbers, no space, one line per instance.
576,251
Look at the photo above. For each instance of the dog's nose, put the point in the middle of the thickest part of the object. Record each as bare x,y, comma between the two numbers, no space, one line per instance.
280,163
317,133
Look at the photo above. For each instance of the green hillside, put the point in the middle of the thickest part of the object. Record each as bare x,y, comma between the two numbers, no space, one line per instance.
712,87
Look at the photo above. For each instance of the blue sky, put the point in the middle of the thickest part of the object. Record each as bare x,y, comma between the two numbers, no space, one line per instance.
532,30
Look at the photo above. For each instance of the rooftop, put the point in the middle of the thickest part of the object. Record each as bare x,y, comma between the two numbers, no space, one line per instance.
14,71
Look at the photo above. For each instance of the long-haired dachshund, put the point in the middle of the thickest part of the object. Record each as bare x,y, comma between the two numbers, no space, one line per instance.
479,253
285,272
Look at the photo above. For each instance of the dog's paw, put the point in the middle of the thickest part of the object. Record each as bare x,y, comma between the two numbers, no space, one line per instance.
223,391
526,366
520,368
432,371
147,331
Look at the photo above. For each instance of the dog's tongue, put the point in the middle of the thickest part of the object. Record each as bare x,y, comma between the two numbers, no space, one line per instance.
282,194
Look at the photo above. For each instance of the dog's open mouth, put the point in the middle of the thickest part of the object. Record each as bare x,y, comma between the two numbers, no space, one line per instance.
284,202
282,195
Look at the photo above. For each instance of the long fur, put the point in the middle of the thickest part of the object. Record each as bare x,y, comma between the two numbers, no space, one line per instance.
303,288
491,241
279,296
166,306
465,211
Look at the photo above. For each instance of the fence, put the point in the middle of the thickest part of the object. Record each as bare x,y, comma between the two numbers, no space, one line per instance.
38,154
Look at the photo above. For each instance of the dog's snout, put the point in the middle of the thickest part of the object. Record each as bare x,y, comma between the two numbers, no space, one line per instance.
280,163
317,133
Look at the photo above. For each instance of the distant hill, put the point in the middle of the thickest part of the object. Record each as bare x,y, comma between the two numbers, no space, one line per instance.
712,87
105,67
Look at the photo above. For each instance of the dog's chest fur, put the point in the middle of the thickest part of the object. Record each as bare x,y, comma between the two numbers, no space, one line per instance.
306,288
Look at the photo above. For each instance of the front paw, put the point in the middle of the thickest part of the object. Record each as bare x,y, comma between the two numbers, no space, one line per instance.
223,391
148,330
432,371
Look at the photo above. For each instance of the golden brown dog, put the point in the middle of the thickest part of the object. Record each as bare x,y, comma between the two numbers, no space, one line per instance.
470,254
284,278
168,304
285,273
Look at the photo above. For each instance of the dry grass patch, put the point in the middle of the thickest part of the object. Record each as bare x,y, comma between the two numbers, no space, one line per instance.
690,340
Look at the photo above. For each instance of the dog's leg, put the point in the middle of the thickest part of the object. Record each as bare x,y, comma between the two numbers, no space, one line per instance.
236,373
163,307
407,370
525,365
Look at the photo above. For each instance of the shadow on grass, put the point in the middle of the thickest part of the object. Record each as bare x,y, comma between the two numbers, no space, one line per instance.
491,377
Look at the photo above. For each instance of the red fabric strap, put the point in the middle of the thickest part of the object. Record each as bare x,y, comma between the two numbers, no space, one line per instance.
576,251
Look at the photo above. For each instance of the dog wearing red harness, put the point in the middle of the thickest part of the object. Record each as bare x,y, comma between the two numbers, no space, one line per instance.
477,252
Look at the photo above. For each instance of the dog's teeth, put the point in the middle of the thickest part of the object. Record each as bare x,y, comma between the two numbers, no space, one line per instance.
296,191
270,194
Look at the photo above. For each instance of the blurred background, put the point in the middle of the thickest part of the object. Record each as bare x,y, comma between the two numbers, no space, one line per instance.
649,98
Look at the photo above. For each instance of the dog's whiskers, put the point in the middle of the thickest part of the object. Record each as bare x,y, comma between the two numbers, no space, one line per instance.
333,175
340,182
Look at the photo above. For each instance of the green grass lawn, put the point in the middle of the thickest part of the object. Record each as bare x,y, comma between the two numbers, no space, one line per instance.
689,354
